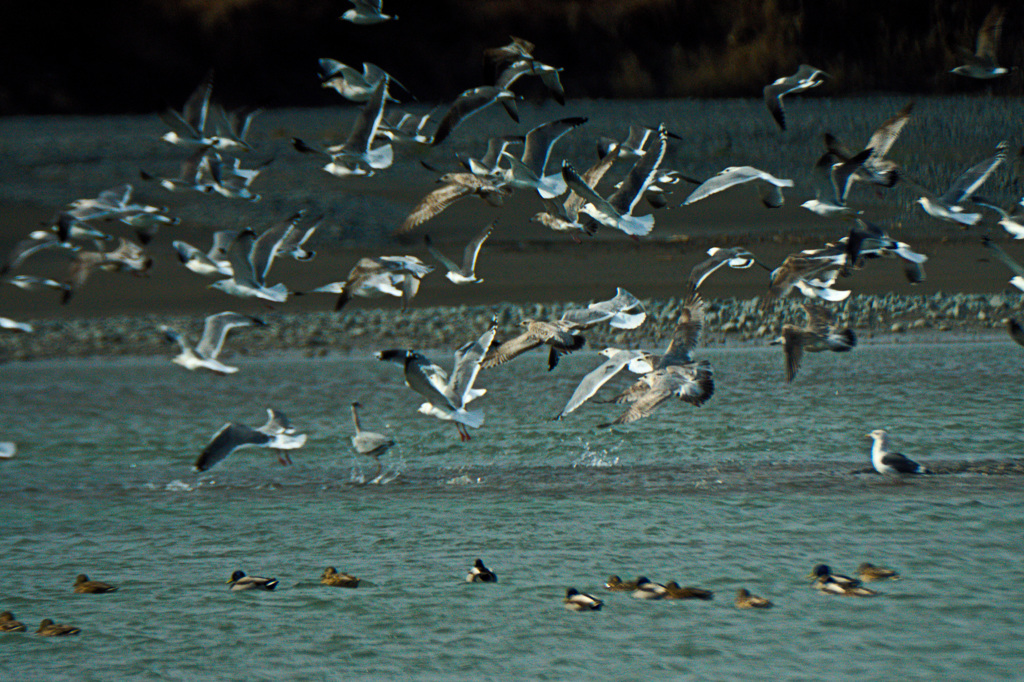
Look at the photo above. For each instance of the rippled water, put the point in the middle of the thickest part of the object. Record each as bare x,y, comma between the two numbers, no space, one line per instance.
748,491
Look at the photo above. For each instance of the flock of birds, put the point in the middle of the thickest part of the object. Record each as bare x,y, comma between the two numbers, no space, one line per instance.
823,579
215,142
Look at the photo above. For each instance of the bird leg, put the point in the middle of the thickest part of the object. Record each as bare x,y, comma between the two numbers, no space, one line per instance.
463,433
283,457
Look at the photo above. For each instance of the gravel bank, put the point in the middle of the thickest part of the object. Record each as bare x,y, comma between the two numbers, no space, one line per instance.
930,318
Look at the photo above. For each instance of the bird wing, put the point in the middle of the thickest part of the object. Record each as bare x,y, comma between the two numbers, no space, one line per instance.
1015,267
216,329
434,203
230,437
692,383
686,334
465,105
1016,330
592,382
239,256
640,177
365,127
467,366
793,345
723,181
472,251
277,423
542,138
989,33
269,244
645,404
447,262
507,350
885,135
615,310
591,177
974,177
585,191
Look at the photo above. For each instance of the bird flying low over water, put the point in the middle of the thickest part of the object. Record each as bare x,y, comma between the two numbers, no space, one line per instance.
205,353
982,63
820,334
805,78
886,461
447,396
736,257
251,258
623,311
675,373
277,434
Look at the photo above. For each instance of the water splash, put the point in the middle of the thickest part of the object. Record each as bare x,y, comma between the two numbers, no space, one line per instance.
594,458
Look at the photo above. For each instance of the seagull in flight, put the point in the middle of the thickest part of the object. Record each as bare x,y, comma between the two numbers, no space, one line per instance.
982,63
369,443
769,186
805,78
820,334
206,352
465,273
367,12
277,434
949,206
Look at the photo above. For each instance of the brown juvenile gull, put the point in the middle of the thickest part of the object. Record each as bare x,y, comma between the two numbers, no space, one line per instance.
674,374
564,216
456,186
820,334
892,463
623,311
805,78
876,169
369,443
277,434
528,172
982,63
128,256
374,276
465,273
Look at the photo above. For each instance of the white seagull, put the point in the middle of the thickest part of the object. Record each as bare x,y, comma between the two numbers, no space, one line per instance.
528,172
205,353
805,78
349,83
366,12
447,397
250,260
369,443
465,273
470,102
189,125
374,276
277,434
982,63
769,186
888,462
949,206
214,261
833,179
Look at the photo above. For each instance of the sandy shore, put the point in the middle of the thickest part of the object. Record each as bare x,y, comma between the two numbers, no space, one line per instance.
51,161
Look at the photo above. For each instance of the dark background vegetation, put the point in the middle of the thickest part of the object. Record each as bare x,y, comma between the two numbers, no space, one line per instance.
122,56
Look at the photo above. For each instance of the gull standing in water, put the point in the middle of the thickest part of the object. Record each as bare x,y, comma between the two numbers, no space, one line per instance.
205,353
369,443
466,273
447,397
805,78
887,462
820,334
949,206
277,434
982,63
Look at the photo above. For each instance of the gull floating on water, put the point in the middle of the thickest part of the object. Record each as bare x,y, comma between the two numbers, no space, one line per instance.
369,443
982,63
769,187
277,434
805,78
447,397
206,352
887,462
465,273
820,334
949,206
366,12
617,210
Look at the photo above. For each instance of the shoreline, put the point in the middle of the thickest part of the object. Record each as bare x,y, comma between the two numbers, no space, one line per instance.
888,318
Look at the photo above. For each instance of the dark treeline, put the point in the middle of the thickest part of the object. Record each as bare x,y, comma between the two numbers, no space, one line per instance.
125,56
